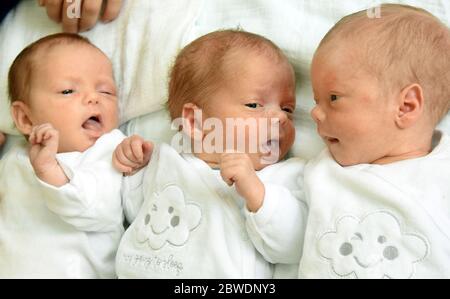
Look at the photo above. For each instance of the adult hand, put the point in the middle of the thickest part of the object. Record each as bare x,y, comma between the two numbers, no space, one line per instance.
81,15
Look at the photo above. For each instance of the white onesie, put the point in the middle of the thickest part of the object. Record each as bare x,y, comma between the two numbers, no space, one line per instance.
67,232
192,225
377,221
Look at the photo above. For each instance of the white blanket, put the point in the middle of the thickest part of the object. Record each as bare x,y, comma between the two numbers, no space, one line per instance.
144,40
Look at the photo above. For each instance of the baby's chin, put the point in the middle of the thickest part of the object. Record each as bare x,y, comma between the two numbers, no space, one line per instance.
68,147
346,161
260,161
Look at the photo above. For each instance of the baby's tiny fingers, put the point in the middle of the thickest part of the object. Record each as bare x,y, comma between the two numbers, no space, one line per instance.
147,147
124,159
137,150
227,176
49,134
41,133
128,152
117,163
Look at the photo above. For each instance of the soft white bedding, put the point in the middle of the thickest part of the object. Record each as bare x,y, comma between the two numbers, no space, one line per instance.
144,40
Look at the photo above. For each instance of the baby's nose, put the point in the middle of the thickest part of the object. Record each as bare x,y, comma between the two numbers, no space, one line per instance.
318,114
91,98
280,115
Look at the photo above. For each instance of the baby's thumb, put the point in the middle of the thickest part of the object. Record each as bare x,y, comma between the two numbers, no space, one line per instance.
147,147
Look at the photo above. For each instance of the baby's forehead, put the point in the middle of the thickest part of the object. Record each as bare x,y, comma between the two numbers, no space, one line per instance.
338,58
66,56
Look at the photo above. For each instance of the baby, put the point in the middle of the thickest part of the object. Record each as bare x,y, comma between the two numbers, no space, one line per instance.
60,205
186,220
379,195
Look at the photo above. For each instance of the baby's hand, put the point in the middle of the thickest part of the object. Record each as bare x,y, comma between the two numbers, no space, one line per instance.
132,154
237,169
44,140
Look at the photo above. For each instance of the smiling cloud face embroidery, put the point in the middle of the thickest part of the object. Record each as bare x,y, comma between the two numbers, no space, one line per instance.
374,247
168,219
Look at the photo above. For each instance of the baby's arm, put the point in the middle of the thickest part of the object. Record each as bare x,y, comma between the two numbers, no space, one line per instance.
237,169
276,216
44,141
277,229
132,154
90,200
129,157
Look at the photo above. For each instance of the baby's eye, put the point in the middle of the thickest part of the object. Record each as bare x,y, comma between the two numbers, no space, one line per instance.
67,91
253,105
106,92
334,97
288,110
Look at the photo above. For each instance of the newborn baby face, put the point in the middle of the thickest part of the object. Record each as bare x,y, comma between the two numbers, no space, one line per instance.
260,90
353,116
73,89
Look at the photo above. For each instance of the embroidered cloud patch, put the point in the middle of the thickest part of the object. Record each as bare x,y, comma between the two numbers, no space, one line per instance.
374,247
168,218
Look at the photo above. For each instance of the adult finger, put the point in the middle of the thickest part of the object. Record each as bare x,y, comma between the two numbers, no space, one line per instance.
90,13
54,9
112,10
70,16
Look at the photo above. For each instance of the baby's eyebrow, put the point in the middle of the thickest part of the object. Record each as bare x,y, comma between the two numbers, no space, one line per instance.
71,79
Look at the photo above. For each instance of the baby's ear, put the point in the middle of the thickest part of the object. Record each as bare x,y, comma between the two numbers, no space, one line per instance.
411,106
192,121
20,114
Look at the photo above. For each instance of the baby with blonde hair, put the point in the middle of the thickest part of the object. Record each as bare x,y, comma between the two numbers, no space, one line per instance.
194,214
60,205
398,65
378,196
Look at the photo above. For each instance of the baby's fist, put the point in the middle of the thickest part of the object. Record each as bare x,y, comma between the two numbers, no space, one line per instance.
237,169
132,154
44,140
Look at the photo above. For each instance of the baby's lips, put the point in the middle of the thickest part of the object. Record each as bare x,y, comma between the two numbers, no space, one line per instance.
94,127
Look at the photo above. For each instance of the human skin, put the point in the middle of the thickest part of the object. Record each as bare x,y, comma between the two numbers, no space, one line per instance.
71,103
255,87
360,121
90,13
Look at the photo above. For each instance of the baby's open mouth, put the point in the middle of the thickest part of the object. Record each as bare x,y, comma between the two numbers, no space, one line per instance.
94,125
270,146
